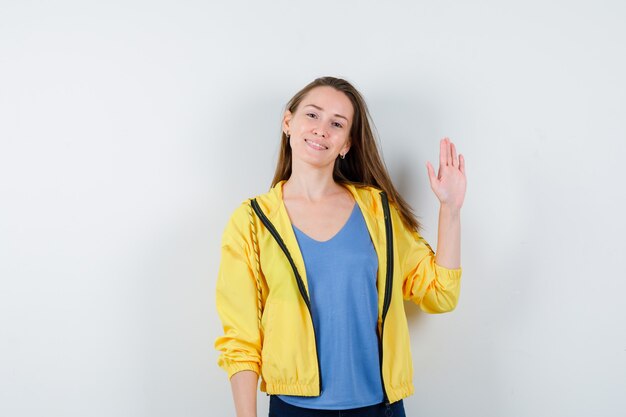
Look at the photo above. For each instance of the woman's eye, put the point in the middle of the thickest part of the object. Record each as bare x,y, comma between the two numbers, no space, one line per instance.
314,116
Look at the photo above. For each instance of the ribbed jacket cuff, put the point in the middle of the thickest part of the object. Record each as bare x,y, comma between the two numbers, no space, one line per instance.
233,367
447,273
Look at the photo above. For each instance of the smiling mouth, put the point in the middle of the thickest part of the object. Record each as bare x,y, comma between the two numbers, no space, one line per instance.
315,145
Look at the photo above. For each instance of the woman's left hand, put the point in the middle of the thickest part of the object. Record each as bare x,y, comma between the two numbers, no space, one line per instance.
450,183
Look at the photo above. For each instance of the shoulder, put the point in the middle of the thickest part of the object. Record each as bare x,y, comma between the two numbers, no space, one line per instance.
240,212
237,224
243,210
373,199
368,195
270,201
242,216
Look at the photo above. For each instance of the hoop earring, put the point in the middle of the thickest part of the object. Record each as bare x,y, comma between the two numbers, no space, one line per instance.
342,156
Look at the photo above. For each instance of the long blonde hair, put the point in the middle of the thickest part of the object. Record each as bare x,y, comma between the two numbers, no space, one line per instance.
363,165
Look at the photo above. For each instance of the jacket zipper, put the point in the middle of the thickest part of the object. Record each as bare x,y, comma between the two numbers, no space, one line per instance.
388,285
268,224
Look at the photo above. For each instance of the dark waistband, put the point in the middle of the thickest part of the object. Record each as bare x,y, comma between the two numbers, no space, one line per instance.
281,408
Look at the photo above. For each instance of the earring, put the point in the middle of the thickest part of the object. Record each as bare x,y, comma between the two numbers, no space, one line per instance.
342,155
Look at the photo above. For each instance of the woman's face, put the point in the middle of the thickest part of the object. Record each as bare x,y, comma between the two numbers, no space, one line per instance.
319,129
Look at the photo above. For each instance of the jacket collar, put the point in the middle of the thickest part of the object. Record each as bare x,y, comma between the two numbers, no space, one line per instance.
367,197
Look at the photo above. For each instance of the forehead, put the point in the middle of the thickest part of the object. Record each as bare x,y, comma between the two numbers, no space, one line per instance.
331,100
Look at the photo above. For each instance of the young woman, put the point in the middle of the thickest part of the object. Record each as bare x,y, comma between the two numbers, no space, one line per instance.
313,273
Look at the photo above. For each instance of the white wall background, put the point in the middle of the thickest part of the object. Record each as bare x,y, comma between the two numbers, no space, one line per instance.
131,129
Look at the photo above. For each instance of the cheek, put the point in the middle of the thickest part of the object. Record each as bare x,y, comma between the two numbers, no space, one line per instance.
295,142
305,125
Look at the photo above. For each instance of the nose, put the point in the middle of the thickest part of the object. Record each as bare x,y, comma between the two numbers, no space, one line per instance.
319,131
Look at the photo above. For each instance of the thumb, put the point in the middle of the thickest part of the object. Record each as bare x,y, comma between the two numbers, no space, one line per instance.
431,174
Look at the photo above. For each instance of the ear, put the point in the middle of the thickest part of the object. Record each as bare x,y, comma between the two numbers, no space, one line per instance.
346,147
286,120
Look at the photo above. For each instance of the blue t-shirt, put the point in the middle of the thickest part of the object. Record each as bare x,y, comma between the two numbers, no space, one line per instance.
341,275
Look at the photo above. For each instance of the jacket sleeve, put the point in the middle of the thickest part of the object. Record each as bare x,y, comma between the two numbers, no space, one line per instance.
431,286
236,298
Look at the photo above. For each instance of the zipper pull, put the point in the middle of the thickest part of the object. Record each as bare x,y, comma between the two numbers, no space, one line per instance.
388,412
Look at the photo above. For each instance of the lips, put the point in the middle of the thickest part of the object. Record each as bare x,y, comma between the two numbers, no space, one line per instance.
316,145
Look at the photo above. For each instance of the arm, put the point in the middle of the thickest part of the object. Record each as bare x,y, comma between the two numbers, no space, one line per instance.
434,287
449,186
449,240
236,301
433,281
244,385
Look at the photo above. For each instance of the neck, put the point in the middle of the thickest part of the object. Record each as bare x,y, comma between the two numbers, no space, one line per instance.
310,183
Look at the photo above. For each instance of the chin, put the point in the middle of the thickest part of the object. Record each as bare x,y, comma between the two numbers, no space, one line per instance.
312,161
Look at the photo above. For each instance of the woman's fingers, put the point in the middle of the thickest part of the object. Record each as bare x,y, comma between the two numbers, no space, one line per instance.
431,174
443,153
448,157
462,163
455,161
430,170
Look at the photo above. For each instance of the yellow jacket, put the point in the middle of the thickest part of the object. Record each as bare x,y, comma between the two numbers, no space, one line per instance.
266,316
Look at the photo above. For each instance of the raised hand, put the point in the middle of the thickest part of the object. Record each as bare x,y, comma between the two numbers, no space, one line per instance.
450,183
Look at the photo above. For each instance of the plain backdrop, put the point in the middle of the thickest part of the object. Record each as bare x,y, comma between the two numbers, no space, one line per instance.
130,130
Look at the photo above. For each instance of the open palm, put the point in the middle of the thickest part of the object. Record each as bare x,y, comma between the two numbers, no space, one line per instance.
449,184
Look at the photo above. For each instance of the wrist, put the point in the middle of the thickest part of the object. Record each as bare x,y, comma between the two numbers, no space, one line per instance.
450,210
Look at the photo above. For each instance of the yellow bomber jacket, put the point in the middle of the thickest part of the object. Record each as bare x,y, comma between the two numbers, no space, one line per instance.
263,302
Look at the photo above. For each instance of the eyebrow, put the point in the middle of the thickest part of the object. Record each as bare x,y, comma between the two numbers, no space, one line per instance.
319,108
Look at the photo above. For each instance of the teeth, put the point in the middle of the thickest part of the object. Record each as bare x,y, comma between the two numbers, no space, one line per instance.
316,144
